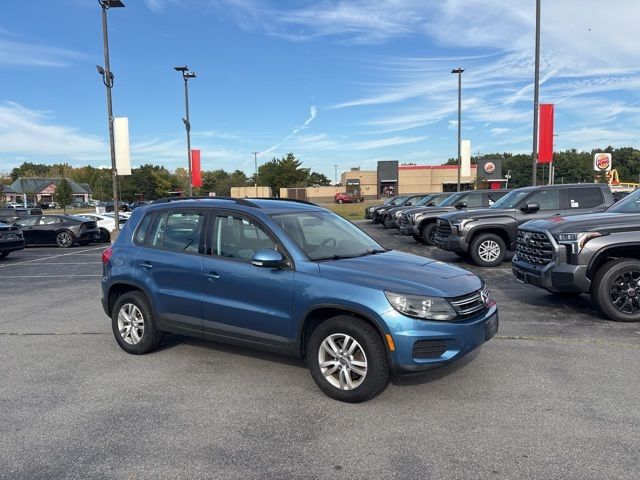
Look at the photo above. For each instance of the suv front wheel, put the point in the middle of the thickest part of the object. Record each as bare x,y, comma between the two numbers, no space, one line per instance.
616,290
347,359
488,250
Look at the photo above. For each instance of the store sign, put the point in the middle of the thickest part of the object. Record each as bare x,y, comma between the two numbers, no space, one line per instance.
489,167
602,162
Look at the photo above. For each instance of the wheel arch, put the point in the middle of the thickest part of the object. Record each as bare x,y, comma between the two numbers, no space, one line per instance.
120,288
319,313
613,252
496,230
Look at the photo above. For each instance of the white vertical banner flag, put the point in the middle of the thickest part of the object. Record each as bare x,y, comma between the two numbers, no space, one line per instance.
465,154
121,140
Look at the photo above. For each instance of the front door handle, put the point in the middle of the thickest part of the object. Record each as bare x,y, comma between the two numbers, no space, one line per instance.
146,265
212,276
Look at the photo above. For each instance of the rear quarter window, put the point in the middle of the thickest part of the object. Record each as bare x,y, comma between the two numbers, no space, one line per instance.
141,231
584,198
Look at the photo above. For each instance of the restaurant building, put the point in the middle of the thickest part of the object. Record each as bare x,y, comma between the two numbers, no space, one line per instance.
42,190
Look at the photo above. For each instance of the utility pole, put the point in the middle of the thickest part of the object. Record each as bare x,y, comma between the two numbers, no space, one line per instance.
107,79
459,72
335,175
186,75
255,160
536,95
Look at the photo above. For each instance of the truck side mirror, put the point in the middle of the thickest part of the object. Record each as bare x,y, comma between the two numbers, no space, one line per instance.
461,205
531,207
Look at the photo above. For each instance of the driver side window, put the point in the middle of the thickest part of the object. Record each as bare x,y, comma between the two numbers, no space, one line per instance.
238,238
547,199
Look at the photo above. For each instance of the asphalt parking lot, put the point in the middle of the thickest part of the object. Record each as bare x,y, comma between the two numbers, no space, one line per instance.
554,395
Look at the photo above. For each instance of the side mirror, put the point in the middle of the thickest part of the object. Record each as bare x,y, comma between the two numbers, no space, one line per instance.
531,207
267,258
460,205
431,204
408,204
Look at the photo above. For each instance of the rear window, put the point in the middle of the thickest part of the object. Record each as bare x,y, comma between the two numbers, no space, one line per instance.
584,197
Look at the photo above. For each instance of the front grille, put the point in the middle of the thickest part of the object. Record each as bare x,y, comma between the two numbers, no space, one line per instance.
428,348
404,219
534,248
443,229
468,305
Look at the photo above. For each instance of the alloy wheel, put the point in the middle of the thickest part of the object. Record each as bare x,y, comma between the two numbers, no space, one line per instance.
64,239
342,361
130,324
624,292
489,251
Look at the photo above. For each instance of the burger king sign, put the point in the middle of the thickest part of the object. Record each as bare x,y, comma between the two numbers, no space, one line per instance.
602,162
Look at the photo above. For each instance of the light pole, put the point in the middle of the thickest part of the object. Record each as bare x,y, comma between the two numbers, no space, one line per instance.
186,75
255,160
459,72
107,79
536,94
335,175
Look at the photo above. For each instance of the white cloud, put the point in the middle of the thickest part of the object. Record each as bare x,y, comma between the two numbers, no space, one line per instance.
18,51
313,112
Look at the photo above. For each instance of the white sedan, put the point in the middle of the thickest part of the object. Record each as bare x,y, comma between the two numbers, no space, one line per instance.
106,223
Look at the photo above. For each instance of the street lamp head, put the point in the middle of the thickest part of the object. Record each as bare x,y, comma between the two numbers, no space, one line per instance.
190,75
100,69
181,69
111,3
457,70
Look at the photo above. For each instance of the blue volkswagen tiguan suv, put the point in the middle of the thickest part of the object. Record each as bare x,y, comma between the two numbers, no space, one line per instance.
295,278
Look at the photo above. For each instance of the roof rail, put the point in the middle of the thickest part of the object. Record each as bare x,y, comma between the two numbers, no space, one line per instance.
284,200
239,201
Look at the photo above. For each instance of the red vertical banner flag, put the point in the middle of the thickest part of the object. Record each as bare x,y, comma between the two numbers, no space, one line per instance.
196,174
545,140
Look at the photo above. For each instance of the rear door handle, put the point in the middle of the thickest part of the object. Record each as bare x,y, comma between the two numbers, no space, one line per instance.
146,265
212,276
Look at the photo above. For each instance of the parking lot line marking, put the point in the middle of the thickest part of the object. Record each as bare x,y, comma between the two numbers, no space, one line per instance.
66,263
18,334
52,256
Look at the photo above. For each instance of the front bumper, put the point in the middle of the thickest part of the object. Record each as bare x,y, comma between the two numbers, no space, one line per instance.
554,277
452,243
448,341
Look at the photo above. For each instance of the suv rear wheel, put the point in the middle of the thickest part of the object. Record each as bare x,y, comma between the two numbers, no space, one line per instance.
616,290
429,234
347,359
134,325
488,250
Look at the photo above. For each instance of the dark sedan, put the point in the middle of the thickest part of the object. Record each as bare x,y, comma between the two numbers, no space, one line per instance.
10,239
61,230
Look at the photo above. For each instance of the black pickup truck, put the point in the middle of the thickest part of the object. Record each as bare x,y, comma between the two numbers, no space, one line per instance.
486,235
597,254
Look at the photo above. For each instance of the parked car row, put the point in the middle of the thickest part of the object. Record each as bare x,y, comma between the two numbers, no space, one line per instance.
568,239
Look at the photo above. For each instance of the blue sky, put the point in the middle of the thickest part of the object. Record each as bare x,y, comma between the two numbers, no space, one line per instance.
335,82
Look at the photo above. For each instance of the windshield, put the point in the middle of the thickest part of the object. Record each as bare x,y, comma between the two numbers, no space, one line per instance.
452,200
397,200
629,204
426,200
512,199
326,236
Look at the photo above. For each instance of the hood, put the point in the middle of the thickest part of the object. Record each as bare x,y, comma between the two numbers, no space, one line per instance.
435,211
585,223
403,273
481,213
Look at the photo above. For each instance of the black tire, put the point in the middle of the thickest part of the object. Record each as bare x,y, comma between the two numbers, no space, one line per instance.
479,246
340,200
601,289
377,373
65,239
358,200
151,336
105,236
386,221
417,238
428,234
4,254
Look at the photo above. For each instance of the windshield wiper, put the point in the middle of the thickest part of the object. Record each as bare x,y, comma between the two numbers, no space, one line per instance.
344,257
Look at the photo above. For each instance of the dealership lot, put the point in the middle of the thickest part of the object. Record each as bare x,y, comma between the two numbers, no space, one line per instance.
554,395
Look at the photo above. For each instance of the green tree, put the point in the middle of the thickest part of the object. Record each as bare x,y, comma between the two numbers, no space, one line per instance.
64,194
316,178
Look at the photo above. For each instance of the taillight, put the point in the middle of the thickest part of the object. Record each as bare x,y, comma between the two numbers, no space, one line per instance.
106,255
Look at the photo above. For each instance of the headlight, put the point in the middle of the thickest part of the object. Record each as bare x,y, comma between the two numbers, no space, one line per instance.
428,308
398,214
371,209
575,240
461,223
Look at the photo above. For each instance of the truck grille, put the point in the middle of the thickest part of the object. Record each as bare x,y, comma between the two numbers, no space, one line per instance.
468,305
534,248
428,349
404,220
443,229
